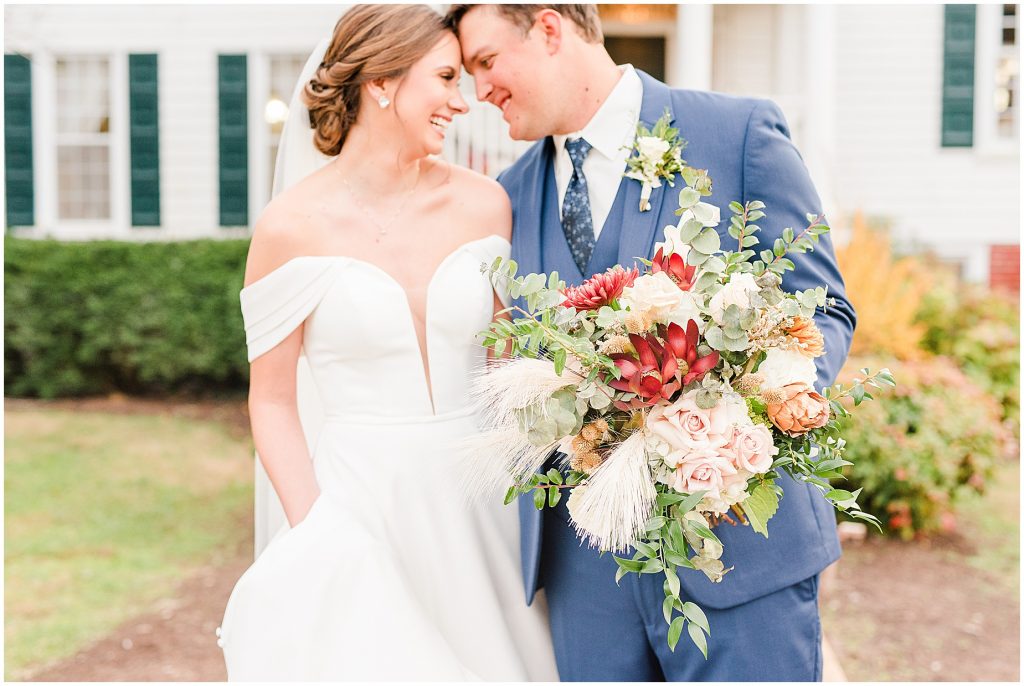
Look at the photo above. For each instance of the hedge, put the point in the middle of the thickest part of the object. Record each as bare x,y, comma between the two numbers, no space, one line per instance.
89,318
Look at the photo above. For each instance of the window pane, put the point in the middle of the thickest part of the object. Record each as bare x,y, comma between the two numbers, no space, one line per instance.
1007,92
284,72
83,95
83,183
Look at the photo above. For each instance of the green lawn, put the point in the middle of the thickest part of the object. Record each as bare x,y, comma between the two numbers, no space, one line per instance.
106,513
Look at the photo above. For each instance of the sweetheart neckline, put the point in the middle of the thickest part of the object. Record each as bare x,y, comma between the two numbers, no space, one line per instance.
422,345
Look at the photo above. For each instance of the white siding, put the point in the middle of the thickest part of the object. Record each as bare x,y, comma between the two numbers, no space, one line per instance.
188,40
889,160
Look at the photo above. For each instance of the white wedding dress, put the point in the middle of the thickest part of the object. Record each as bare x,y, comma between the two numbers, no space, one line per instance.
392,575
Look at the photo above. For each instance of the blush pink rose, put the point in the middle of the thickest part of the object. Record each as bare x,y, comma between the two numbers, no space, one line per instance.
682,424
753,448
703,470
686,427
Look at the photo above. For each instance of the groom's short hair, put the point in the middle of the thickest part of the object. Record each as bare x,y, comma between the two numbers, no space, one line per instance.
584,16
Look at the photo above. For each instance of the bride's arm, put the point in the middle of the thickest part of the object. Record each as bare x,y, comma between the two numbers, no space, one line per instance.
276,429
273,404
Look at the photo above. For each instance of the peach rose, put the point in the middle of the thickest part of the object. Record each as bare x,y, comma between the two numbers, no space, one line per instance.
753,448
801,410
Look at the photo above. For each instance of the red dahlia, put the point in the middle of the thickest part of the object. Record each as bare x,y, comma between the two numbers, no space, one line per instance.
600,289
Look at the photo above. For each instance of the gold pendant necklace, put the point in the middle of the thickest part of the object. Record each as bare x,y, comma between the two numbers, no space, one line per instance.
382,228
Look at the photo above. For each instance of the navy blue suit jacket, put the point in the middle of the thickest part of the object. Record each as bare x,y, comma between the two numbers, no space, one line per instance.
744,144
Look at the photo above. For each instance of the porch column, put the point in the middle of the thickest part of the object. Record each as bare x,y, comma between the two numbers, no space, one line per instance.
689,53
819,98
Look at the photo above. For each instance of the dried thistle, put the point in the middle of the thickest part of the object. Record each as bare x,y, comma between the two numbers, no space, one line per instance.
615,344
586,462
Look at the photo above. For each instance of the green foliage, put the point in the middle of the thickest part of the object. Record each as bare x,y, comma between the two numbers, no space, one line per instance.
980,329
95,317
921,447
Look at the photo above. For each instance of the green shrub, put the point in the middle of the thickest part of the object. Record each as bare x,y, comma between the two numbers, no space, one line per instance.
919,448
980,329
142,318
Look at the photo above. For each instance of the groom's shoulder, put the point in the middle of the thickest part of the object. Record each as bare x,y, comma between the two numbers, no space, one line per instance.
724,106
724,111
523,169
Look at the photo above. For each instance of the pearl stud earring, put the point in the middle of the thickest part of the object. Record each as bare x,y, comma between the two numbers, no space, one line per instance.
383,101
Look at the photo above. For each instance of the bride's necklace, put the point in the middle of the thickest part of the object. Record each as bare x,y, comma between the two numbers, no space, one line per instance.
382,227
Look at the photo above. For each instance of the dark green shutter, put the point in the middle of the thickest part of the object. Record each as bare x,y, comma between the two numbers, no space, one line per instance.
20,190
145,139
234,140
958,77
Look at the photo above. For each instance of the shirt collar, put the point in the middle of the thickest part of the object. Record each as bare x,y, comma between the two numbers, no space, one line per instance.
614,123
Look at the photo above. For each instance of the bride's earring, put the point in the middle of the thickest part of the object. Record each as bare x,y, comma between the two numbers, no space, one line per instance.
383,101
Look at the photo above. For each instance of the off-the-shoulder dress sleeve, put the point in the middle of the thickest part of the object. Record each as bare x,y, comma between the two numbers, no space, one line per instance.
276,304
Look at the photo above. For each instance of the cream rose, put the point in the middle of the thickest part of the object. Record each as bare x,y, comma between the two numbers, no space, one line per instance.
728,415
736,292
659,298
732,492
652,147
784,367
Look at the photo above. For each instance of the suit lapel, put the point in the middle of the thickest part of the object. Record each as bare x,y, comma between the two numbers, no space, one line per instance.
639,228
527,236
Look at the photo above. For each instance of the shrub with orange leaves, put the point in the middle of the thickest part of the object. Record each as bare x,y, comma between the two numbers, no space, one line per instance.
886,292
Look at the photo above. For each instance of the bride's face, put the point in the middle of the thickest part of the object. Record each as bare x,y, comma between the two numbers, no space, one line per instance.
429,96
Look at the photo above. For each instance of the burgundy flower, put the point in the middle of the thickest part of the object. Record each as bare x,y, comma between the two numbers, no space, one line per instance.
675,266
661,366
600,289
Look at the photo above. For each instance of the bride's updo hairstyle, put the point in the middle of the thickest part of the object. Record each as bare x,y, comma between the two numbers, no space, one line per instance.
370,42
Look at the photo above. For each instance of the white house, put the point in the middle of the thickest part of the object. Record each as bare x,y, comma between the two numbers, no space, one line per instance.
159,122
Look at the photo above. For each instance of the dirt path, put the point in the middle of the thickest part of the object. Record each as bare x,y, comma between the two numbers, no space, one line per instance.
174,641
919,612
893,611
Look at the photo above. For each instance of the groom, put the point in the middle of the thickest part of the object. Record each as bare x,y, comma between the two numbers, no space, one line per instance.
546,68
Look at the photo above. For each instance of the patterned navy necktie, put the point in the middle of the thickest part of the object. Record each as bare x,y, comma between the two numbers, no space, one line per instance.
577,221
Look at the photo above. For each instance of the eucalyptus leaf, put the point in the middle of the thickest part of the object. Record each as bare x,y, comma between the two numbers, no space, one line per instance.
688,197
689,230
707,242
714,265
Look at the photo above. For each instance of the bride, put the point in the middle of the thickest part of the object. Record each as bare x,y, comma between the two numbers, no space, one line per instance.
368,267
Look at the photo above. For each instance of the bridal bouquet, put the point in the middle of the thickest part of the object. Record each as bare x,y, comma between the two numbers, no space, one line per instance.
676,394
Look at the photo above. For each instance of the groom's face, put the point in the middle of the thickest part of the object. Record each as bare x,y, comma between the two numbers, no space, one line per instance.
510,71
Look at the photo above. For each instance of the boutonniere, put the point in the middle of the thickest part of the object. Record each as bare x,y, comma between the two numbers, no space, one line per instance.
658,155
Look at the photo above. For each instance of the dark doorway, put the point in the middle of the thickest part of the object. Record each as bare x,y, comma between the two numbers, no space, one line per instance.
643,52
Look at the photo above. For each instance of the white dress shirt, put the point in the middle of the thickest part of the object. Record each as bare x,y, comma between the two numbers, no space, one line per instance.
611,132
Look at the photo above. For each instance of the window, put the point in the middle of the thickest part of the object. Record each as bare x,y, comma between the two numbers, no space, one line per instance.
284,72
1006,94
83,138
